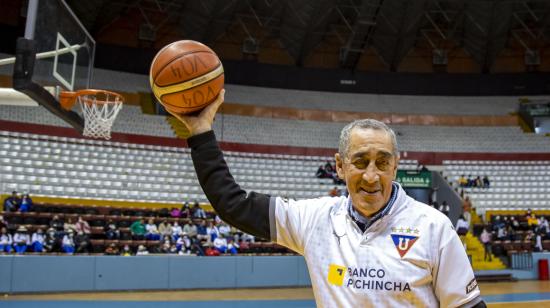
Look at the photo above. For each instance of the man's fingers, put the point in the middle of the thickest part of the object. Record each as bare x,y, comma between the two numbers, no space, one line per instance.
213,108
203,121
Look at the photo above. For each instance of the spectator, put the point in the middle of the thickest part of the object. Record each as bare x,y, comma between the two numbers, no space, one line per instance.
248,238
462,226
197,248
165,248
486,182
466,210
185,211
211,251
224,229
67,243
37,241
421,168
69,225
142,251
334,192
82,225
471,181
138,230
501,231
151,231
173,249
26,204
532,221
51,243
183,244
529,236
505,221
175,212
514,223
486,240
220,244
538,242
21,240
176,231
3,222
57,224
212,231
321,173
510,233
190,228
6,240
112,250
543,225
165,228
329,168
232,247
198,212
111,231
466,205
202,235
478,182
11,203
462,181
444,208
126,252
82,242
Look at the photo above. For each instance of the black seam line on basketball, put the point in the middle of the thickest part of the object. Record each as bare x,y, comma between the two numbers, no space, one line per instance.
178,82
176,58
165,103
161,91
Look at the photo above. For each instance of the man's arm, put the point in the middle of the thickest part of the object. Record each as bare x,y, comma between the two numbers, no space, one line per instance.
454,281
249,213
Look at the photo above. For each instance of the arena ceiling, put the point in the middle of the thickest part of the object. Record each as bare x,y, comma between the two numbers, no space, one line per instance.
301,31
390,28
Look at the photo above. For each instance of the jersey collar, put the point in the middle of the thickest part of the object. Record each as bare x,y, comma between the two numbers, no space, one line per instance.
365,222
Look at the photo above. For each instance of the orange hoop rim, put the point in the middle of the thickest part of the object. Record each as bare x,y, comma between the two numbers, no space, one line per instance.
67,99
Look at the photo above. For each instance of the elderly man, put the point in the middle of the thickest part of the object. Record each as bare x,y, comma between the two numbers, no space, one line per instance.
376,248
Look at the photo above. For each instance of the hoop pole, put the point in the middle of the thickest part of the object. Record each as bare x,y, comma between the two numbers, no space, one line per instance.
46,54
32,8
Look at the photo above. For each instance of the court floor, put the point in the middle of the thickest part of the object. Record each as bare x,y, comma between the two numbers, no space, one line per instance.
503,294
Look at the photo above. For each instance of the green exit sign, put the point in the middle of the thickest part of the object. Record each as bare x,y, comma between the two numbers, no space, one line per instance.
414,179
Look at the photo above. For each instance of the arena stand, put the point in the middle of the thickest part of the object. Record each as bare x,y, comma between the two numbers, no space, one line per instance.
517,188
83,168
149,165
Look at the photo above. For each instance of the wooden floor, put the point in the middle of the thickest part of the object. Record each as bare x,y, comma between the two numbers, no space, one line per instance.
488,290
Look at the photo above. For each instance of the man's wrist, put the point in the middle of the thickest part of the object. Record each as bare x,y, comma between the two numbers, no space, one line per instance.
199,139
200,130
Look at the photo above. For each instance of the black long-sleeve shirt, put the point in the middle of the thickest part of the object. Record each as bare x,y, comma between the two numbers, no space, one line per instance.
248,212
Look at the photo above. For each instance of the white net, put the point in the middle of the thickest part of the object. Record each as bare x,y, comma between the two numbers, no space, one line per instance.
99,115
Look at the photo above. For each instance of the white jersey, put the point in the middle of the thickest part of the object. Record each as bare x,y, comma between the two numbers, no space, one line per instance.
410,257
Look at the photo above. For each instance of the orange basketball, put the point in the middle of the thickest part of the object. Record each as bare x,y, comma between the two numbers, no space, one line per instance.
186,76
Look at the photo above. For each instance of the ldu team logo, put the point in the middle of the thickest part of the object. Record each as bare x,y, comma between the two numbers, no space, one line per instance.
404,238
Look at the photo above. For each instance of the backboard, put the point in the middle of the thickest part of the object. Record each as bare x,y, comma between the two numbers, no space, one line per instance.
57,51
56,30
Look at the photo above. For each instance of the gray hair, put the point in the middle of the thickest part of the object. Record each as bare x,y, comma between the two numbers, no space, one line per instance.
343,145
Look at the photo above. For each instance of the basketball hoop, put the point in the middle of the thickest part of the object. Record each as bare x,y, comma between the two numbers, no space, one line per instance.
99,109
